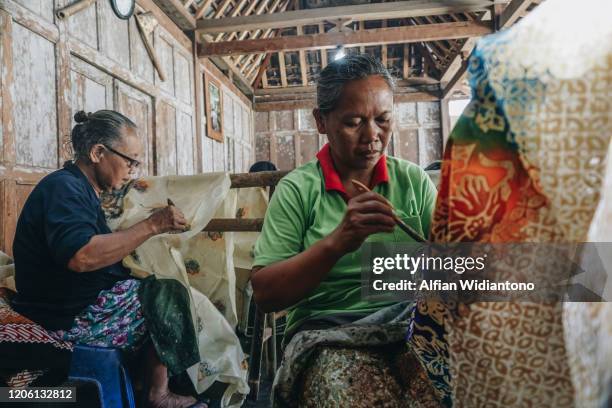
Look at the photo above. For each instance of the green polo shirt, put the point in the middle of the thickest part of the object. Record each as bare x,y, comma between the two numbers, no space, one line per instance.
310,202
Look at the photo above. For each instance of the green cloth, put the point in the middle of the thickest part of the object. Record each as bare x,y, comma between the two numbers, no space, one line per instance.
165,306
301,212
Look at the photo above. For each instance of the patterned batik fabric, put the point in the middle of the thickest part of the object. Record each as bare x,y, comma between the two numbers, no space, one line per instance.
362,364
526,163
29,355
115,320
201,262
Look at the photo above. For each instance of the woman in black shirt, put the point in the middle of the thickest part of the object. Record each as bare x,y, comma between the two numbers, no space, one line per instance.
68,268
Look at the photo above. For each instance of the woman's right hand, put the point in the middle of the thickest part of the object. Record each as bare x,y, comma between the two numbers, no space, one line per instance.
367,213
167,219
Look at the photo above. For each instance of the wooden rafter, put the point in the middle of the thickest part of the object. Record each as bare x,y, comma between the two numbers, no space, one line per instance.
425,53
303,66
235,13
458,67
258,12
323,51
382,11
283,70
261,71
203,9
406,62
398,35
266,34
221,9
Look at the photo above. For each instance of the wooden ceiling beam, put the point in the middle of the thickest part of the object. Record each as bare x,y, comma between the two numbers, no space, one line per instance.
457,69
396,35
179,14
382,11
512,12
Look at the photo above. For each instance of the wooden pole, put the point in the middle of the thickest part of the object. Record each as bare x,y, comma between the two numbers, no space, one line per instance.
149,47
74,8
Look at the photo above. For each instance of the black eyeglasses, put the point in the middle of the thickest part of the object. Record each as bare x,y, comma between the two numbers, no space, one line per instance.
132,163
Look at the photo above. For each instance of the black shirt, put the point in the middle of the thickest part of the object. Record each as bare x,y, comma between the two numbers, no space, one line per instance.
59,217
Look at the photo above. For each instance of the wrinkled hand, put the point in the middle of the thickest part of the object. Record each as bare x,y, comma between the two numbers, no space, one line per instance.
168,219
366,214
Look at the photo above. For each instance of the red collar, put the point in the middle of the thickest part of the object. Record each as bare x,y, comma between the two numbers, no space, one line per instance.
332,178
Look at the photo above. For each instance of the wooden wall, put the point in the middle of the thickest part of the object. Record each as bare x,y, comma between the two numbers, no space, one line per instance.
51,68
289,138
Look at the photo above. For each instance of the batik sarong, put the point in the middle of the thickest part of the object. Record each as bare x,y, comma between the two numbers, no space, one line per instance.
362,364
114,320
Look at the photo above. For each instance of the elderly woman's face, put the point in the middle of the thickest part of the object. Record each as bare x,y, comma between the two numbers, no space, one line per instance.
359,128
119,162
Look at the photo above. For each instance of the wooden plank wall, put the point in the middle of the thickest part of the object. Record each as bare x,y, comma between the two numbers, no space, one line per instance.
51,68
289,138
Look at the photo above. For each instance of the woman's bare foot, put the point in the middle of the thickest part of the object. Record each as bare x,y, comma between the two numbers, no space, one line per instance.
159,395
171,400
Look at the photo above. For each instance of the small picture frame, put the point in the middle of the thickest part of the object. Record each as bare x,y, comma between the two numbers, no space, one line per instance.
214,108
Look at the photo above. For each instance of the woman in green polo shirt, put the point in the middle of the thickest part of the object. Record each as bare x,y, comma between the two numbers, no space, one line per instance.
308,256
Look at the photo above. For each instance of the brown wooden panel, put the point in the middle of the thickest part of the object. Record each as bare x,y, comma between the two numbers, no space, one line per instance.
138,106
429,113
83,26
35,124
114,37
408,145
430,145
183,77
284,120
207,154
163,48
228,115
306,120
406,113
13,196
140,60
309,146
219,160
7,148
166,140
262,146
185,144
43,8
92,89
228,151
262,121
283,152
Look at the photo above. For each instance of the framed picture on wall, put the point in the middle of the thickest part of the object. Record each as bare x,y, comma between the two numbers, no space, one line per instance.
214,108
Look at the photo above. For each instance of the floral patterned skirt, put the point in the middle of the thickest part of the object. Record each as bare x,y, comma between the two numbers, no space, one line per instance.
115,320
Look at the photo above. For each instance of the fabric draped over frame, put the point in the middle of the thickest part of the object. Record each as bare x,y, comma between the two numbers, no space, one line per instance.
201,261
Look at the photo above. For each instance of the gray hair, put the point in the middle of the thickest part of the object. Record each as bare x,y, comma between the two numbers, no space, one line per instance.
336,74
102,127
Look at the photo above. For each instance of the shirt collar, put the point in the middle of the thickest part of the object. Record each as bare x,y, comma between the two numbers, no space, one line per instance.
332,178
76,171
